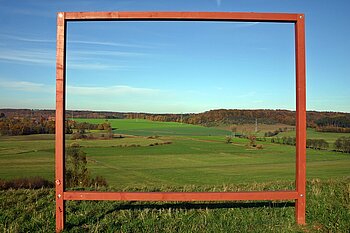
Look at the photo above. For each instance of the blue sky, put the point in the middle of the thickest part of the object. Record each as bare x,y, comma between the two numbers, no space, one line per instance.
174,66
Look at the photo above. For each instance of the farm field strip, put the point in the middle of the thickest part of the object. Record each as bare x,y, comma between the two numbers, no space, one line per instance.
196,156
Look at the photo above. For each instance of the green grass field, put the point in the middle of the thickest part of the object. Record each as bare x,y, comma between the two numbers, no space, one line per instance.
140,127
327,210
313,134
196,156
198,159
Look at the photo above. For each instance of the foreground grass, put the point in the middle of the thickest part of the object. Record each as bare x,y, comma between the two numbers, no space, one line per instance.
328,210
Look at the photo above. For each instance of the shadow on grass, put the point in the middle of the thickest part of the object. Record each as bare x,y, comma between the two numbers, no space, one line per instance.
137,206
188,206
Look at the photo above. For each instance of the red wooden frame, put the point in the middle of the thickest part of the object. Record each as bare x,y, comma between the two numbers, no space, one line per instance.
298,195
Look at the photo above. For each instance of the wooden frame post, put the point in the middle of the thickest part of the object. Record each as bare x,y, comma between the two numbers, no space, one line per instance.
300,119
298,195
60,120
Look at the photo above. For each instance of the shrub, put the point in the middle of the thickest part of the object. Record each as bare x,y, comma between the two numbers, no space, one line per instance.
252,140
228,139
98,181
77,173
26,183
78,135
74,144
342,144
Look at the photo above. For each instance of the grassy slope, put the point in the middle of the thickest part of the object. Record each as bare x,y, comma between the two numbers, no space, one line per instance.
188,160
23,156
142,127
190,163
327,209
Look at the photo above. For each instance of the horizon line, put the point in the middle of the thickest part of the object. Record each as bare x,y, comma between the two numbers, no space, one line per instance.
144,112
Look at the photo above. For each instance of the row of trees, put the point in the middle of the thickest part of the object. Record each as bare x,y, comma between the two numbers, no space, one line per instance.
26,126
89,126
274,133
83,127
42,125
339,124
284,140
342,144
321,120
317,144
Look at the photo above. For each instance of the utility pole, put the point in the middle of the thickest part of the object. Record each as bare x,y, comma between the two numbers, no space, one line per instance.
256,125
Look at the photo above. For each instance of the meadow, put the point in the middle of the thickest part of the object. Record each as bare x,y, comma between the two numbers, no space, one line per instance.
157,154
327,211
163,156
330,137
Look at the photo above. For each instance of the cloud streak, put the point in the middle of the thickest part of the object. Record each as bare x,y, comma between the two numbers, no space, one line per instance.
86,42
115,90
96,66
112,90
93,53
26,39
31,56
25,86
113,44
76,59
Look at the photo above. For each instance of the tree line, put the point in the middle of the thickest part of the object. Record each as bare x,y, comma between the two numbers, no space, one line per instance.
277,131
322,120
26,126
339,124
82,127
41,125
317,144
342,144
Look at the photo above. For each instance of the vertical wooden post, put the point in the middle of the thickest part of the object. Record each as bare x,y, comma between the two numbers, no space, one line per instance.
60,120
300,119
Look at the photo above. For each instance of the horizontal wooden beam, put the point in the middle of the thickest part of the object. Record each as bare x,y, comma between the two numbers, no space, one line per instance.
183,16
180,196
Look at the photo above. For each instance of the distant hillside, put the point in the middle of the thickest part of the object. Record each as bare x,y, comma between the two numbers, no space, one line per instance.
208,118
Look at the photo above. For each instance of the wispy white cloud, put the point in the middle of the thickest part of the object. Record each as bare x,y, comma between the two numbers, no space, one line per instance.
26,38
31,56
25,86
111,90
244,24
115,90
77,59
113,44
96,66
77,53
95,58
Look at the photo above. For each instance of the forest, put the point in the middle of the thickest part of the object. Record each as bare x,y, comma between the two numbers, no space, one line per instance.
321,121
26,126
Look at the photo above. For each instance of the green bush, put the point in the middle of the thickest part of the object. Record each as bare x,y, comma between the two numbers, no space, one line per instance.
77,174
